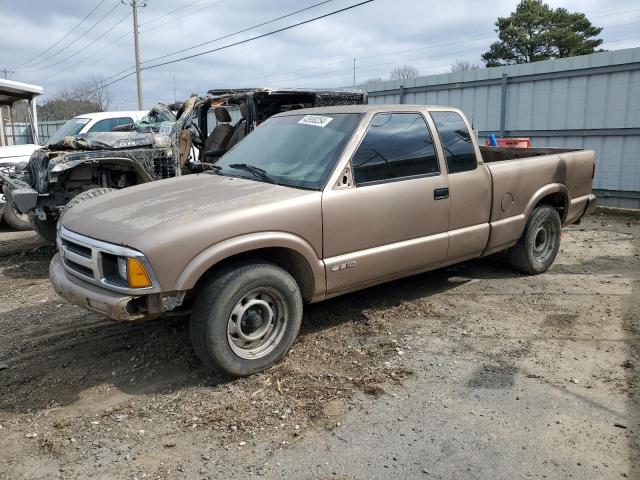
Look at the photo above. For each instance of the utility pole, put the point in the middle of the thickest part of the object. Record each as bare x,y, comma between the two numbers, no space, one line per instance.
135,4
6,71
354,72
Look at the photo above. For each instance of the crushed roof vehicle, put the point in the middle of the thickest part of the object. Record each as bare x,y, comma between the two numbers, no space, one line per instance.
162,145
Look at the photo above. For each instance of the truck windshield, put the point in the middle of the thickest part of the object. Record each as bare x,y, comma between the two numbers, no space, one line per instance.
72,127
295,150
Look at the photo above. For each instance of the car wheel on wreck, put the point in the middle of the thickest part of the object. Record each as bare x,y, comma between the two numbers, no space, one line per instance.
245,318
15,219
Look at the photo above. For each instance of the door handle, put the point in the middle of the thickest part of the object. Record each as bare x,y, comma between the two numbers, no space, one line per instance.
441,193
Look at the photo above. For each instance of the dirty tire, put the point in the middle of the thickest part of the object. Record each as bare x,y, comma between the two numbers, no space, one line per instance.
45,228
539,244
84,196
232,293
15,219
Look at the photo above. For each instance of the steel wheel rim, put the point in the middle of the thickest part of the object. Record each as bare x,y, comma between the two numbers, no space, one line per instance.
544,242
257,323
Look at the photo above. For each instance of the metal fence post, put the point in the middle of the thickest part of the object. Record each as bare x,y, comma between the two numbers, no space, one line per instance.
401,94
503,106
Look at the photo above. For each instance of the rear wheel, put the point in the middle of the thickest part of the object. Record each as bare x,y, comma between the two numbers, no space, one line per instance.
15,219
539,244
245,318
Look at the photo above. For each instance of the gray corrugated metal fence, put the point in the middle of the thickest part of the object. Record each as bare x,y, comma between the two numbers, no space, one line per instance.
22,136
591,101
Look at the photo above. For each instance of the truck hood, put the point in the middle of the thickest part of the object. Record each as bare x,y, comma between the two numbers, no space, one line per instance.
15,154
146,215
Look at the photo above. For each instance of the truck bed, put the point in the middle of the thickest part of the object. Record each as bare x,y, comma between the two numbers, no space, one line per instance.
521,177
499,154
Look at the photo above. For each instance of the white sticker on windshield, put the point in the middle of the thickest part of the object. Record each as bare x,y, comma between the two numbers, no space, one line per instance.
82,121
315,120
166,129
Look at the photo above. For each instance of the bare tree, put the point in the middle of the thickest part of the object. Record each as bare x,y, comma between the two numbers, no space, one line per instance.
85,97
403,72
463,66
371,81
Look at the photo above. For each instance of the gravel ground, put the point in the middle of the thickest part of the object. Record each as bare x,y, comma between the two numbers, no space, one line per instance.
468,372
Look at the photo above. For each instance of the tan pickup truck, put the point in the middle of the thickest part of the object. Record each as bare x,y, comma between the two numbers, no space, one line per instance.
315,203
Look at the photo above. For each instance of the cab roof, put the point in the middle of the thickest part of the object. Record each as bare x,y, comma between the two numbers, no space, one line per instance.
364,109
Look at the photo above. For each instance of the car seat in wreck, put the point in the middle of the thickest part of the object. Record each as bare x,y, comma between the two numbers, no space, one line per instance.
217,142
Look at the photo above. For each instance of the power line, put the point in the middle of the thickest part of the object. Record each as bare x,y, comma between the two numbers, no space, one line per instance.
273,32
174,18
222,37
170,12
238,32
257,37
82,49
63,37
75,40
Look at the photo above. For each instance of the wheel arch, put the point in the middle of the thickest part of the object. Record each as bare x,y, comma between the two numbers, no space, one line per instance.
288,251
556,195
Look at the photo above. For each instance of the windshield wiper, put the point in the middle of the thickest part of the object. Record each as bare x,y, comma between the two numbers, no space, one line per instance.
209,168
256,171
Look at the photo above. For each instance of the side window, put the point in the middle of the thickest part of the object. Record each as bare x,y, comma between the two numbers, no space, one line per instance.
108,124
456,142
397,145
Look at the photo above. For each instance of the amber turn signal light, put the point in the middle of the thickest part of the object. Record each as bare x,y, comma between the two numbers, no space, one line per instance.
137,275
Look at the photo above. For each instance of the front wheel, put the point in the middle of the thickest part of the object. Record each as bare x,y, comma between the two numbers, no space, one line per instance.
539,244
245,318
15,219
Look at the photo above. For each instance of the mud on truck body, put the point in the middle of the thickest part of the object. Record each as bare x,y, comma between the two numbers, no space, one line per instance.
162,145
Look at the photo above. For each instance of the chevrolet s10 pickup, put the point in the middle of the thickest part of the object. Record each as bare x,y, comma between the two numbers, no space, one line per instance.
314,204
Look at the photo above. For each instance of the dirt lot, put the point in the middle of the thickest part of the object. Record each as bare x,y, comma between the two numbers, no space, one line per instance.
468,372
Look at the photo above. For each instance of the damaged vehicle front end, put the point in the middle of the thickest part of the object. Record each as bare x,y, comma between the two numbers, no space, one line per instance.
138,153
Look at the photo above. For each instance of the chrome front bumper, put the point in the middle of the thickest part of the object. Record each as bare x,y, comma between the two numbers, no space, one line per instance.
79,292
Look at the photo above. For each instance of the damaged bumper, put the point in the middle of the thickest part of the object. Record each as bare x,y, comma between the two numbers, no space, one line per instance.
110,304
23,196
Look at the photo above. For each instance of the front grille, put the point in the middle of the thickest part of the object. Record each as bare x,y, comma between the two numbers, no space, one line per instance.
79,259
96,262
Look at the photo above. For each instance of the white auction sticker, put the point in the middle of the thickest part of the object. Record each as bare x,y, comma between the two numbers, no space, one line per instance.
315,120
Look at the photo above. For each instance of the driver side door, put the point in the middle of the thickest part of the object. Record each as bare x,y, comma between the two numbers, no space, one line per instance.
393,220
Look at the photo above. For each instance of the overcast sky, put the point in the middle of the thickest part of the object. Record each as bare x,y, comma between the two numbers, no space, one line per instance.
381,35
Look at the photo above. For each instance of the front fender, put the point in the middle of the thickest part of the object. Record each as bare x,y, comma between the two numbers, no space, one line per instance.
209,257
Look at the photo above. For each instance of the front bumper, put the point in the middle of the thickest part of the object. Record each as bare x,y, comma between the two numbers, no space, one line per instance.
20,193
110,304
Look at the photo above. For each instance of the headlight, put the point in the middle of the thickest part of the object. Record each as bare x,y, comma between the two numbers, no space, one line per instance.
122,268
133,271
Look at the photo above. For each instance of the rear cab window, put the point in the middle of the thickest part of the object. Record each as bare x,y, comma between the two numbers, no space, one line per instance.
457,144
397,146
